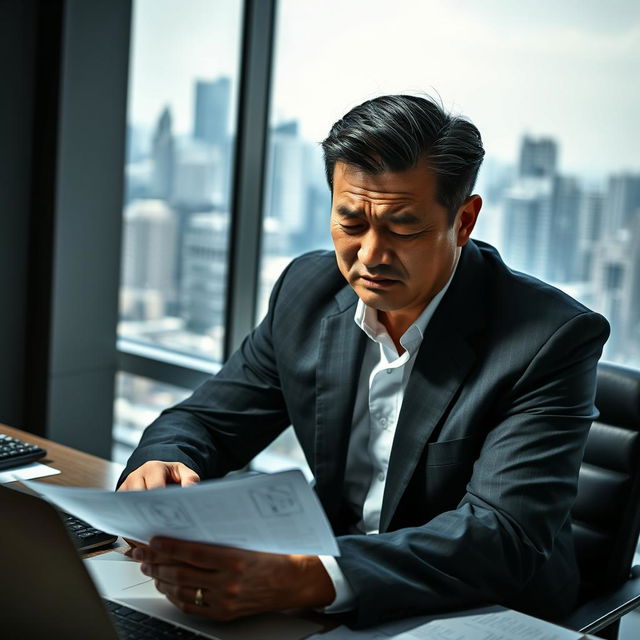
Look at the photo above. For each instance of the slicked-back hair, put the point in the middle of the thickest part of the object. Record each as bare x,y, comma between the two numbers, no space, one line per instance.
393,133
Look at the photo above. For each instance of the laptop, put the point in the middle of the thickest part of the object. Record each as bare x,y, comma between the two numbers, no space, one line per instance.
46,591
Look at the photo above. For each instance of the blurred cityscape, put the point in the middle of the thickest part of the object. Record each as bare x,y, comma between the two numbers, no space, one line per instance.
579,236
176,221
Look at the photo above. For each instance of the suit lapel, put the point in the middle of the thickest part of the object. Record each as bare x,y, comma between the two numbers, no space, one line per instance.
442,364
435,379
340,354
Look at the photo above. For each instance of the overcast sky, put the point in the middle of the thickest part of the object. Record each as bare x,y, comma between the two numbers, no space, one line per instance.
568,69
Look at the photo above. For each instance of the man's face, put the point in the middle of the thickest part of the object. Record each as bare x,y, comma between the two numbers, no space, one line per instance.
393,241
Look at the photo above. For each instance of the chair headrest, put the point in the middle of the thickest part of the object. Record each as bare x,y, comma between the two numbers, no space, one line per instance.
618,395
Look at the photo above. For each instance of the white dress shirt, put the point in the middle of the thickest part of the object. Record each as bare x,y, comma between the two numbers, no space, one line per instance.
383,380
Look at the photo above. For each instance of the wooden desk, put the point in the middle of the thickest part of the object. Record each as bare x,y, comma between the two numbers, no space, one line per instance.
77,468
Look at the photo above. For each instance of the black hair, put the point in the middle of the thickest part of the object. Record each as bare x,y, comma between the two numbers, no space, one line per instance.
393,133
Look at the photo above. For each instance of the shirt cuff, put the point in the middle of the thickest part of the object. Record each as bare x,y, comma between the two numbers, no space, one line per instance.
345,598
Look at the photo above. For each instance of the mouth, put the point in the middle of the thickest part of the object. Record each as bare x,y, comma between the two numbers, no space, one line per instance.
376,282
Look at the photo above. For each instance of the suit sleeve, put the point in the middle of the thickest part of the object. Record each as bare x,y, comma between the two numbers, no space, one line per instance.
519,496
229,418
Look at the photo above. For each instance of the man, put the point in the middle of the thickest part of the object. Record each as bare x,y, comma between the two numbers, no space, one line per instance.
444,426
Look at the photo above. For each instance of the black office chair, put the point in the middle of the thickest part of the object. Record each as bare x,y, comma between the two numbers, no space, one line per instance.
606,515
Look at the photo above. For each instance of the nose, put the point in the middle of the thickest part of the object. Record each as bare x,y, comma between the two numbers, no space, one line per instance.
373,249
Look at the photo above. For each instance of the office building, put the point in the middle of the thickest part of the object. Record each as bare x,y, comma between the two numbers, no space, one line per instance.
78,72
538,157
148,260
204,269
589,232
287,179
527,225
199,175
211,117
616,274
163,158
564,220
622,201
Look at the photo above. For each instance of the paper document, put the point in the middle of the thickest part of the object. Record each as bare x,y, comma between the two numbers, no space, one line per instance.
27,472
496,623
276,513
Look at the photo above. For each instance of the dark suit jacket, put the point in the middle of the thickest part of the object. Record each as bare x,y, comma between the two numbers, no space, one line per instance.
484,465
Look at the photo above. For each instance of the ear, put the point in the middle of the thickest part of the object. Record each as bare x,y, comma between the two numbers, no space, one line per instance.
466,219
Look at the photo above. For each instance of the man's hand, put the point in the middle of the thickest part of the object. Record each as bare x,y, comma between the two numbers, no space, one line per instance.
233,582
155,474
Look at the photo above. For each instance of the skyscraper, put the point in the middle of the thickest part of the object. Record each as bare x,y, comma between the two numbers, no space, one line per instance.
199,175
204,272
563,240
148,260
622,202
616,274
589,232
527,217
163,158
211,118
538,157
288,177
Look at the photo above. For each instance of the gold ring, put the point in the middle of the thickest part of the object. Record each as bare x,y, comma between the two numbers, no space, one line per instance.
198,599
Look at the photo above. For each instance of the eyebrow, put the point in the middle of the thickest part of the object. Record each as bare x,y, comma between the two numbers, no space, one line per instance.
397,218
346,212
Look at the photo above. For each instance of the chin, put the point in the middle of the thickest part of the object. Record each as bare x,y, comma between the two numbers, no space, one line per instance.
376,301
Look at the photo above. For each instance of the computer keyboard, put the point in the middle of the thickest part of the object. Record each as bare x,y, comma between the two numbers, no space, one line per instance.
14,452
134,625
84,536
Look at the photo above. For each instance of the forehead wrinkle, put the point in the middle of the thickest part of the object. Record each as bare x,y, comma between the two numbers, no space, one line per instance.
377,193
398,202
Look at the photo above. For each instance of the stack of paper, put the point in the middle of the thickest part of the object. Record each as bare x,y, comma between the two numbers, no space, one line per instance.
276,513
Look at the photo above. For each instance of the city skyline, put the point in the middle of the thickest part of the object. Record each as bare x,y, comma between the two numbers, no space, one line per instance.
547,70
543,220
563,72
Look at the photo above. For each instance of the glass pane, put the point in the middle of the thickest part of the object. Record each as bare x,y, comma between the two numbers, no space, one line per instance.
138,403
549,85
284,452
180,142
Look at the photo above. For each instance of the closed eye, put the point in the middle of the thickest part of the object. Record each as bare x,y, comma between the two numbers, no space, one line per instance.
352,228
405,236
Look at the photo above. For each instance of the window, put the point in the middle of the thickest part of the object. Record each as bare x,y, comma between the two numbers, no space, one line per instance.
541,81
180,145
183,86
546,84
138,403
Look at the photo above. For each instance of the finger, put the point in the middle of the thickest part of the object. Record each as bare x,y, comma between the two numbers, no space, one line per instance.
182,475
147,555
189,606
199,554
133,544
178,574
180,593
156,475
133,482
211,607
